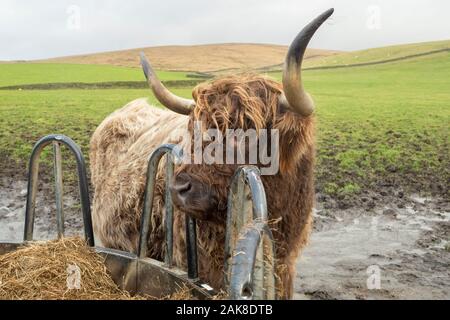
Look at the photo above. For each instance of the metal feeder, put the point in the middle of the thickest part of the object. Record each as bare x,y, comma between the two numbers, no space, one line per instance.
249,251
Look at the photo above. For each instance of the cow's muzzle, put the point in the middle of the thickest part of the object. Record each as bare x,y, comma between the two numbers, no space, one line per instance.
193,197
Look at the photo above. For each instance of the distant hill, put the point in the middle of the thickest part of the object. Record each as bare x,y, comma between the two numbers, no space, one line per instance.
383,54
199,58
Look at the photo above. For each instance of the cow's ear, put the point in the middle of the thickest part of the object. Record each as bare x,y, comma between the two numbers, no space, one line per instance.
296,140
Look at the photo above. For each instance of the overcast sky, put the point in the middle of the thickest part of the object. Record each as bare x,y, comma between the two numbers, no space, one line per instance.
48,28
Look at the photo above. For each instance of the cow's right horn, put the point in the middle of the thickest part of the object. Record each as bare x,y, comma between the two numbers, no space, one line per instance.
295,97
164,96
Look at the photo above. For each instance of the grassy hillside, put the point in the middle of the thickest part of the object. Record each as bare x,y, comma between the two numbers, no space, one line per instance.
224,58
377,125
378,54
201,58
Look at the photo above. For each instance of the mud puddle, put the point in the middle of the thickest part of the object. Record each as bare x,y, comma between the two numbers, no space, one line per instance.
382,254
12,212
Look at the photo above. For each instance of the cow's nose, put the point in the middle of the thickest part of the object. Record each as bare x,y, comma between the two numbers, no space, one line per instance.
181,187
192,196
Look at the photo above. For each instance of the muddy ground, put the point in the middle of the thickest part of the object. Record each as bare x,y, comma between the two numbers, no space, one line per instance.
12,211
389,246
405,241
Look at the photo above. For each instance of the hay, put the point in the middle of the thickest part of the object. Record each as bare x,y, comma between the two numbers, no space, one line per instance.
183,293
39,271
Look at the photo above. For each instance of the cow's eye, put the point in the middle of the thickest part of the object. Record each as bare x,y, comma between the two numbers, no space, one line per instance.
282,109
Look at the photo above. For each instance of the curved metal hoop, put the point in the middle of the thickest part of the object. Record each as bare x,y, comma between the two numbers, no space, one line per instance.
174,155
252,268
33,174
249,242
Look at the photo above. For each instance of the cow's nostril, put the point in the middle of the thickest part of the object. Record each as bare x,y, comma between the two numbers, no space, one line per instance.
183,188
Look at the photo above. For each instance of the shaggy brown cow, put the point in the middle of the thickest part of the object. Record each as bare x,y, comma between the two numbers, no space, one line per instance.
121,146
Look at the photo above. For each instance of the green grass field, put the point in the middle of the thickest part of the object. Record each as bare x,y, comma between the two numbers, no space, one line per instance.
28,73
377,126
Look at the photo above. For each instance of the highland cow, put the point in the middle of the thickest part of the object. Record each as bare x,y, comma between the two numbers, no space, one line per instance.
122,144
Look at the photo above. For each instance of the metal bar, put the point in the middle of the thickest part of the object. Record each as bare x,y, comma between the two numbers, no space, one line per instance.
235,205
169,212
258,273
33,180
146,225
57,167
239,219
191,247
268,248
253,178
243,284
33,174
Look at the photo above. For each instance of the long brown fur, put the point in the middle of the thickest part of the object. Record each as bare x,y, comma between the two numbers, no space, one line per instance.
121,145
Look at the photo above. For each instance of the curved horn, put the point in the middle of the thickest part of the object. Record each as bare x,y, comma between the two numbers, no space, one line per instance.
167,98
295,97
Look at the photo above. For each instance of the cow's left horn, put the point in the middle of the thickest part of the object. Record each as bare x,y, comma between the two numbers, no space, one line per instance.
167,98
295,97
